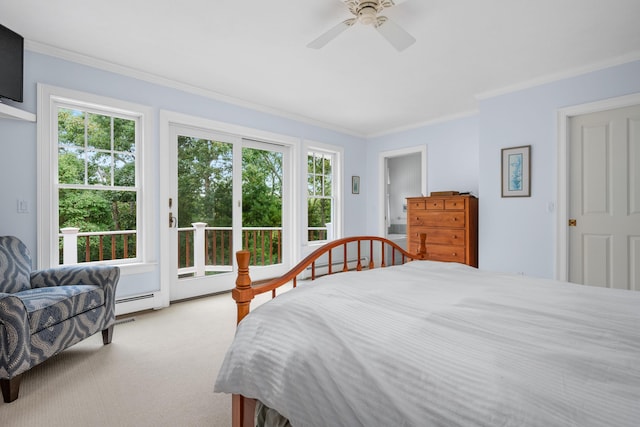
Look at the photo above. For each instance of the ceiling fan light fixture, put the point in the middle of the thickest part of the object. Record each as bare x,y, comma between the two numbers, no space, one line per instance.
367,15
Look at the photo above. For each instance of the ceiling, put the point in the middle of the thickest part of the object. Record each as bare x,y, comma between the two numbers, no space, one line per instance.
253,52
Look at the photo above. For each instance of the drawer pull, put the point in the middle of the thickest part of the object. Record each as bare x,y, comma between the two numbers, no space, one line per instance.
454,254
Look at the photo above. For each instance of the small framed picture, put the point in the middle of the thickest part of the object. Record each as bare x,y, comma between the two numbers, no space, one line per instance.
516,171
355,184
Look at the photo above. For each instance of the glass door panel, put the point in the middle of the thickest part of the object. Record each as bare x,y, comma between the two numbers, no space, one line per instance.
205,207
262,184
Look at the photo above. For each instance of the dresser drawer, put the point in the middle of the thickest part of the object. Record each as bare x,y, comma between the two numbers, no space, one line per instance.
446,253
447,238
435,204
454,204
416,205
437,219
438,236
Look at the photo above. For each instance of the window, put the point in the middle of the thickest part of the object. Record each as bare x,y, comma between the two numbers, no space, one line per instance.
322,195
91,183
97,191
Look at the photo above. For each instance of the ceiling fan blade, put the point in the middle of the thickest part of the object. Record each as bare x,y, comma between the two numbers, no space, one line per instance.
331,34
394,34
386,4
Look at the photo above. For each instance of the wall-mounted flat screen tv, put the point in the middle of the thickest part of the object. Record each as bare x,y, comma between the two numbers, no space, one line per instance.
11,64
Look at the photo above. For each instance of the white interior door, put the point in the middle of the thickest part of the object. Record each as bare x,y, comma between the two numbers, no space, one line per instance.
604,206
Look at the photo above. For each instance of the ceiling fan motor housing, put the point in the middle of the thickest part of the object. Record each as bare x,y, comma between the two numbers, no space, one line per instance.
368,12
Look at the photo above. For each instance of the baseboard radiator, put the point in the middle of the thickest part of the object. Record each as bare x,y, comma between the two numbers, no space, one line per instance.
135,298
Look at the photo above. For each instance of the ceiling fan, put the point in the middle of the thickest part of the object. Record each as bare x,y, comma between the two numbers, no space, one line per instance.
367,12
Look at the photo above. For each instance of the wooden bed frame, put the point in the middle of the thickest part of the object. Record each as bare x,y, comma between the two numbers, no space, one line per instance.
243,408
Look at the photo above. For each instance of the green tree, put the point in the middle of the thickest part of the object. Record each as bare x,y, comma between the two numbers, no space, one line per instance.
205,180
98,152
319,200
261,188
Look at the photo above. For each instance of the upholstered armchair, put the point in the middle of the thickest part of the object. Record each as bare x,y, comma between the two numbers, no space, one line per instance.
43,312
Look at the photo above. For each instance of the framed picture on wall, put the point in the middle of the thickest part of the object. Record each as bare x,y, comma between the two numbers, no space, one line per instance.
516,171
355,184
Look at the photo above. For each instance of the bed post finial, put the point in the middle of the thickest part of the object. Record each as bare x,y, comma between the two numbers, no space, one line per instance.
422,248
242,293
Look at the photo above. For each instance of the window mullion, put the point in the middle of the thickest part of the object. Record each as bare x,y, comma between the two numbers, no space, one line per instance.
86,148
112,146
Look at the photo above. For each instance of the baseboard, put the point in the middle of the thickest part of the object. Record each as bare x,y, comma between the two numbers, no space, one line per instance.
138,303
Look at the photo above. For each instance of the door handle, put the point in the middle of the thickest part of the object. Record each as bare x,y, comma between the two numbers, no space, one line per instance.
172,221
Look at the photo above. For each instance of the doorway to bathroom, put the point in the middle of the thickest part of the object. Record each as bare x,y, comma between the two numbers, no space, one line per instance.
403,174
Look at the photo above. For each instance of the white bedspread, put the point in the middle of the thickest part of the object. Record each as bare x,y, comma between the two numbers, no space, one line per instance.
441,344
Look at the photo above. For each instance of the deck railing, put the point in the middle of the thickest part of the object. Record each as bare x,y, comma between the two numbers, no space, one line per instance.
96,246
209,250
201,250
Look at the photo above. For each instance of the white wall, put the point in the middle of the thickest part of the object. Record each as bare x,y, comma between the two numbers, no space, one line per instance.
18,143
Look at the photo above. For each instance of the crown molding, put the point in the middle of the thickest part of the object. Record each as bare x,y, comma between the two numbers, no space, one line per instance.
101,64
431,122
550,78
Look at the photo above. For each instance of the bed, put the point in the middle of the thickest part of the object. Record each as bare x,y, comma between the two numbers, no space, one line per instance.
425,343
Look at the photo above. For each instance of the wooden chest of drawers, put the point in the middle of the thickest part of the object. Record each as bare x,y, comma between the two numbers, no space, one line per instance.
450,224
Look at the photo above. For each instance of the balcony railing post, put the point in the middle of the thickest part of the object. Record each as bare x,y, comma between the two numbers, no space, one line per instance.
198,247
69,245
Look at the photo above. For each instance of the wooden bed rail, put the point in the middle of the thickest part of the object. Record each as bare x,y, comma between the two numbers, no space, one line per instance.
243,408
244,291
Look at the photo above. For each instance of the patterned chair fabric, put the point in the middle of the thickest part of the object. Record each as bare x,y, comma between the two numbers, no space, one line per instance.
43,312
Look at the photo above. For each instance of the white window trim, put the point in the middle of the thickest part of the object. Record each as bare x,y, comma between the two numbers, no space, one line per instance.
338,181
48,98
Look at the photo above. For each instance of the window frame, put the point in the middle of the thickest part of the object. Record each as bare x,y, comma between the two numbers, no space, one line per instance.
337,190
51,98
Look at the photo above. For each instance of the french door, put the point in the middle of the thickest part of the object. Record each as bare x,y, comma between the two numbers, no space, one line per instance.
225,193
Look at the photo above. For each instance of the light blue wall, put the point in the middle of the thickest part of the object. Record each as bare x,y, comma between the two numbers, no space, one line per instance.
519,234
515,234
18,142
452,159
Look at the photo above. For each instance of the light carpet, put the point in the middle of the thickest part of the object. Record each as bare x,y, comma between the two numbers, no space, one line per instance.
158,371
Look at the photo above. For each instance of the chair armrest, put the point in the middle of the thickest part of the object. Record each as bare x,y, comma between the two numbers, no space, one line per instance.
15,337
104,276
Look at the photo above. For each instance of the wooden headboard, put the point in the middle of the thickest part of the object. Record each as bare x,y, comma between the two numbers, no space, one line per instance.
244,291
